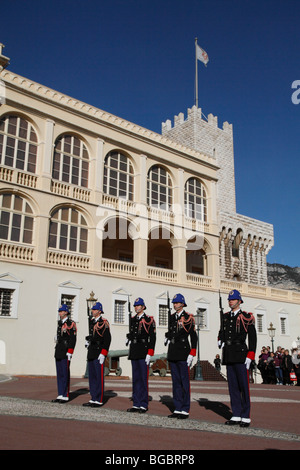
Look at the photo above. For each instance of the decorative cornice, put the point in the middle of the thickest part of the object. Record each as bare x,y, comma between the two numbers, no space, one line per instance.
74,105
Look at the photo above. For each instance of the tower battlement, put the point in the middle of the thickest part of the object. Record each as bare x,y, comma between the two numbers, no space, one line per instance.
205,136
193,113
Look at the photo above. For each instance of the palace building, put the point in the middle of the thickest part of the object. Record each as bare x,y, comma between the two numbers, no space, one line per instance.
91,204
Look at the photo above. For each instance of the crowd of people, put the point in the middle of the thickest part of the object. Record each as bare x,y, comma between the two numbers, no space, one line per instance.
280,367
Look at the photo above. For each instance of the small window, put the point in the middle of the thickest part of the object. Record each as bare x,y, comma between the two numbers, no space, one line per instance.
119,311
203,319
260,323
163,315
6,297
283,325
9,295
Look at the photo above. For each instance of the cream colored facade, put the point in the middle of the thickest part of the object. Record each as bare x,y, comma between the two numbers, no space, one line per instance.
74,238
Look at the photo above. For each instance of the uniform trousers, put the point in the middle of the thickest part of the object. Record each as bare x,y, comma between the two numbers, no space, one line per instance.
140,374
238,385
63,377
181,385
96,380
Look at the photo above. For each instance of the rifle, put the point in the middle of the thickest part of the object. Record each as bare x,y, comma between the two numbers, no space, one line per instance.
169,318
221,317
129,322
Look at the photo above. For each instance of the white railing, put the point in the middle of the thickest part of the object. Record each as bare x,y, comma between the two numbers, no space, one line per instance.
199,280
16,252
112,266
69,260
166,275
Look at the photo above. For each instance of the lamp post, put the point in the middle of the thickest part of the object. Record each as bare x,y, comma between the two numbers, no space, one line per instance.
271,331
198,320
89,303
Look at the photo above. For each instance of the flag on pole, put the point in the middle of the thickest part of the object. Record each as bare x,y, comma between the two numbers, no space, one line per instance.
201,55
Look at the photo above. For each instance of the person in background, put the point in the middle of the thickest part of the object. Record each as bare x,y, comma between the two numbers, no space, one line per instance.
217,362
262,364
296,363
277,364
287,367
65,344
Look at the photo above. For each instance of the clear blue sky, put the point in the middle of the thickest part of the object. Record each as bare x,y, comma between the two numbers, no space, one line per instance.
136,59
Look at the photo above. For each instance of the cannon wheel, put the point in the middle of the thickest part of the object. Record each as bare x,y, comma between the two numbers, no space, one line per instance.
150,371
163,372
118,371
106,371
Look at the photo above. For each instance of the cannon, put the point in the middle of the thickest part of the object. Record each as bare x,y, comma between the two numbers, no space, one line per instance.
112,361
159,364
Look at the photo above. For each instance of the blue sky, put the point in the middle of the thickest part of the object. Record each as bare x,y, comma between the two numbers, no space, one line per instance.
136,59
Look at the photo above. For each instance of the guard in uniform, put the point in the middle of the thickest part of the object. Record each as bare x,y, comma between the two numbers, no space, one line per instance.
98,343
142,338
236,326
180,355
65,345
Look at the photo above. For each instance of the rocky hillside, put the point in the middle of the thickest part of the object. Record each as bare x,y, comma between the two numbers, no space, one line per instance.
283,277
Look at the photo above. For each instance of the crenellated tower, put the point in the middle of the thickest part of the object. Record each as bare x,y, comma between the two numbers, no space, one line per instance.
206,137
244,242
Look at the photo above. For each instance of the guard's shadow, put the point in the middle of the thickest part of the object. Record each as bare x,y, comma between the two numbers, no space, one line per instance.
108,394
76,393
216,407
167,400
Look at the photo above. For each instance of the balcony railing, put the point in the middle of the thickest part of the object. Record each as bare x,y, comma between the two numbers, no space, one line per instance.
68,260
15,252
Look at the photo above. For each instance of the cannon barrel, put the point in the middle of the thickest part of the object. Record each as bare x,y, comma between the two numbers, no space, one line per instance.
118,353
158,356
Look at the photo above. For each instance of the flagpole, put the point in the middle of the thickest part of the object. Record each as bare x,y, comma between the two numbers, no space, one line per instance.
196,74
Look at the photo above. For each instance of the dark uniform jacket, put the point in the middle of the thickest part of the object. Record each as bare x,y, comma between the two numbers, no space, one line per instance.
65,338
99,338
235,331
142,337
180,330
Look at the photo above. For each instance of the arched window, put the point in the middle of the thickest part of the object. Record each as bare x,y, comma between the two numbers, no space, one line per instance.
16,219
195,200
18,144
159,187
118,176
68,230
70,161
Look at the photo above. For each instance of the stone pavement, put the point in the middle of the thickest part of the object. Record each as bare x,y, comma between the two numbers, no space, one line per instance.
29,421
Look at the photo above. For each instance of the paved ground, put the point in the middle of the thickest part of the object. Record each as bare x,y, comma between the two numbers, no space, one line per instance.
29,421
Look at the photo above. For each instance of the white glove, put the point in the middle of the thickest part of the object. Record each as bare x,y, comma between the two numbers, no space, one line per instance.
101,358
248,362
189,360
69,356
220,344
147,360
